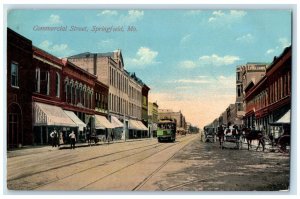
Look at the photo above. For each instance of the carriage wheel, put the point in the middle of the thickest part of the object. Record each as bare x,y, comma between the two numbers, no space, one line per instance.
282,145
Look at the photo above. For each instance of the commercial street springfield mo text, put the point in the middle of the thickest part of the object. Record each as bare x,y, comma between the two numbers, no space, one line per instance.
94,29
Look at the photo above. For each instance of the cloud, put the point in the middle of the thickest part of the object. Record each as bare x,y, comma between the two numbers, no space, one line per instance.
185,39
59,50
270,51
282,42
226,17
55,19
193,12
245,38
192,81
116,17
144,56
217,60
108,13
223,82
187,64
132,16
209,60
237,13
107,44
201,98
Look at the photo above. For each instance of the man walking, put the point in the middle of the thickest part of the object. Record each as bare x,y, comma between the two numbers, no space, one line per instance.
54,136
73,139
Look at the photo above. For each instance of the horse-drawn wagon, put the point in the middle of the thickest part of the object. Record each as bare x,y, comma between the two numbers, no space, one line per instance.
229,137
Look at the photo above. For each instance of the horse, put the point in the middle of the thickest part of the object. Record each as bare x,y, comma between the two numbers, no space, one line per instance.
250,135
92,138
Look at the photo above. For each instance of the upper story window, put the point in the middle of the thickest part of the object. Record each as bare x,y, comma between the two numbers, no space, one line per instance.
37,79
238,78
57,84
45,82
14,74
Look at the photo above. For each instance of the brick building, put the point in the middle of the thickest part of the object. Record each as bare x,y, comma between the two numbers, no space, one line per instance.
270,99
250,72
46,93
170,114
19,88
125,90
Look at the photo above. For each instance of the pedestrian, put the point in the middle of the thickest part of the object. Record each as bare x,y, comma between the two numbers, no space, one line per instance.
73,139
61,139
112,135
88,136
54,136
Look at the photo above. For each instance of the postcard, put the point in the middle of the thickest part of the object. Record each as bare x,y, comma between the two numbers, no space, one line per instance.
149,100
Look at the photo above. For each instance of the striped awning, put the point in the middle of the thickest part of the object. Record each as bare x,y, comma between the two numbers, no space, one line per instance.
285,119
102,123
117,123
49,115
76,120
137,125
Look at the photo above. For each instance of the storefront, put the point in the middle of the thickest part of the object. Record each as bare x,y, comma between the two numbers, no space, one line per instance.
46,118
118,128
81,136
103,128
281,126
137,129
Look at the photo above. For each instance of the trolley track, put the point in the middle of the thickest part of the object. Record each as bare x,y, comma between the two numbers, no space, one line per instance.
140,184
78,162
73,164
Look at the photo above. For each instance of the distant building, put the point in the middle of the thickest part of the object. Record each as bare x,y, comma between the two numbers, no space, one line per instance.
231,114
152,118
250,72
177,116
145,91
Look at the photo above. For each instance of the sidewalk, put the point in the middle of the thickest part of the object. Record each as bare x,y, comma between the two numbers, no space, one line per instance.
29,150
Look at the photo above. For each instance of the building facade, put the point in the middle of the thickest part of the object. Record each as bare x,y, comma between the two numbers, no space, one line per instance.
270,99
125,90
245,74
177,116
19,84
152,118
46,93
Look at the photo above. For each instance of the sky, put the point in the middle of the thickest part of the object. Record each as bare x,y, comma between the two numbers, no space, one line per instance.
188,58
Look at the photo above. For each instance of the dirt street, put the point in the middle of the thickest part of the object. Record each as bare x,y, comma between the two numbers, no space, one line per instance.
205,167
185,165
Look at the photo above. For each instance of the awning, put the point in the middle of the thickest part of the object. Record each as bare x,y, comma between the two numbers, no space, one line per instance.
102,123
137,125
142,126
285,119
133,125
76,120
116,123
45,114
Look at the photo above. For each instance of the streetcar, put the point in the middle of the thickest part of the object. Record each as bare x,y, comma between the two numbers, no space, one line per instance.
166,130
